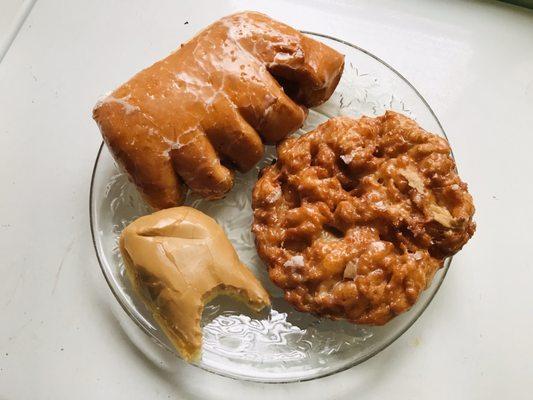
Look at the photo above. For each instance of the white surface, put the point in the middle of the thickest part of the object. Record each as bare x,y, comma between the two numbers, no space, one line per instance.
61,334
9,10
13,13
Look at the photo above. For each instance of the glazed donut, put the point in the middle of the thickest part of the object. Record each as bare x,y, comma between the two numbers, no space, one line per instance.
206,108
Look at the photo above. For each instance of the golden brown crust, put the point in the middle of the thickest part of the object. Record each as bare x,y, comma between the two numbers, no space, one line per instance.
209,105
356,216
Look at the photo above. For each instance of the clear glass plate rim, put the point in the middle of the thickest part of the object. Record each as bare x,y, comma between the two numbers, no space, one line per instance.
377,350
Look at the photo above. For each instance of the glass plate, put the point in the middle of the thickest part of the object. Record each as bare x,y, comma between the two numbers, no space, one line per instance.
281,345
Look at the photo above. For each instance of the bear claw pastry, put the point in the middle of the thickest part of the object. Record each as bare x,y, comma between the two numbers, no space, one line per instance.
208,107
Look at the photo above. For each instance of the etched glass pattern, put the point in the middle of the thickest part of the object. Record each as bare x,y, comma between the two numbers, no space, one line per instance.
280,345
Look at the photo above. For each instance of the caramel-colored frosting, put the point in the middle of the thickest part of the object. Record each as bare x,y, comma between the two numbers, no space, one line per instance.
356,216
179,259
206,108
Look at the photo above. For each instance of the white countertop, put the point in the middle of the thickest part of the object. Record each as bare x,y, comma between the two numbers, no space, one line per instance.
61,334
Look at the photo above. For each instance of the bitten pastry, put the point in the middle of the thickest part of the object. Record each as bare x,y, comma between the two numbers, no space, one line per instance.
179,259
206,108
356,216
